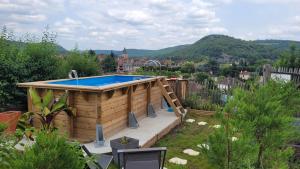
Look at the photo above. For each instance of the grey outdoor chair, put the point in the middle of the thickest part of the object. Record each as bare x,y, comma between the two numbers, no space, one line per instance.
102,160
144,158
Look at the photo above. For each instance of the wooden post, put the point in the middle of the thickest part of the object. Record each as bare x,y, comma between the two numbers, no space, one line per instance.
149,94
71,103
129,99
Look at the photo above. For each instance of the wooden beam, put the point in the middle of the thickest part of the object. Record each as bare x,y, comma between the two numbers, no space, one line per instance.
129,99
149,94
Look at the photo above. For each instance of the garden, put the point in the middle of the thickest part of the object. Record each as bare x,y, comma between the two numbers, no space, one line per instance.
245,133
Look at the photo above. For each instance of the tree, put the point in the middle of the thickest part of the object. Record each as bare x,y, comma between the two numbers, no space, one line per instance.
261,120
188,67
92,52
290,58
83,63
200,77
210,66
109,63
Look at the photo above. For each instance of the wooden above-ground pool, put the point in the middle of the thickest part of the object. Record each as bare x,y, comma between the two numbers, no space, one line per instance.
107,100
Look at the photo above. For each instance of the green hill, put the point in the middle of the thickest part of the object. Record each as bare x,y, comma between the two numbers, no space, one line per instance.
218,47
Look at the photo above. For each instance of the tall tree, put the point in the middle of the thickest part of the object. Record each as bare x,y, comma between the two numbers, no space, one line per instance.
261,121
109,63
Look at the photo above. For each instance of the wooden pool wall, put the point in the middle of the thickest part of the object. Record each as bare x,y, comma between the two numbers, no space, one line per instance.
109,108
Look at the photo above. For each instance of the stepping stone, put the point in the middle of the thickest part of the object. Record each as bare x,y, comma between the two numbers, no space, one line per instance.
179,161
190,120
202,123
234,138
217,126
191,152
205,146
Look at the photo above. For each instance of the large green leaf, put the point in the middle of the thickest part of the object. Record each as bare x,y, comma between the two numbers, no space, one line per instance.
61,104
46,111
36,99
48,98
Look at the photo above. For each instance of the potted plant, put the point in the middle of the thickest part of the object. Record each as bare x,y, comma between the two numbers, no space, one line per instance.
122,143
10,118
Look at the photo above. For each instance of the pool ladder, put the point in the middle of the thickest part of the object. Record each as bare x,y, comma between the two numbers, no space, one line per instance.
73,73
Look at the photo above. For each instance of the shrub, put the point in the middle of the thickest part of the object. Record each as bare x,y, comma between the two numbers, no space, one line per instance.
262,120
50,151
83,63
7,151
22,62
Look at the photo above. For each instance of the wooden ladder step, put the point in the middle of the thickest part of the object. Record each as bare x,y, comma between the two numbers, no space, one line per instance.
174,100
170,93
166,85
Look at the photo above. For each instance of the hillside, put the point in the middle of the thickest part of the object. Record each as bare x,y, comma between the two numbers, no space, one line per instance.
217,47
143,52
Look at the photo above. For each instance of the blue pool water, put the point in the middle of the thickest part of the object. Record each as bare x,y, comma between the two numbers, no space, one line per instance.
99,81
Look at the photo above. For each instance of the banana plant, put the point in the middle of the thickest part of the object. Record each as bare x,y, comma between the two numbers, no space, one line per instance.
48,107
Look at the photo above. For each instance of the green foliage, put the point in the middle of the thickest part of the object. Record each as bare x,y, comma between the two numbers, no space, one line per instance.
50,151
167,73
3,126
48,107
194,101
7,151
200,77
109,64
290,58
188,67
261,119
84,63
22,62
211,66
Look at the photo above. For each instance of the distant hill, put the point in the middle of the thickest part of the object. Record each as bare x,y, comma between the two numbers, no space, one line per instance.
144,52
217,46
278,45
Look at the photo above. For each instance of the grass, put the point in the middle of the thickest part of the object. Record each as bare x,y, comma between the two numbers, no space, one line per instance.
187,135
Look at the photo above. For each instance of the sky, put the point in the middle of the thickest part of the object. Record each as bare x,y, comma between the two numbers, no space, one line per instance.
150,24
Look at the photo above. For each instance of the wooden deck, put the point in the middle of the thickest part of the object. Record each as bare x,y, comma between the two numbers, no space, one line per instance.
149,131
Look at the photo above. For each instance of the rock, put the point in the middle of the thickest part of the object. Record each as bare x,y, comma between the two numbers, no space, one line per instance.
216,126
191,152
190,120
179,161
202,123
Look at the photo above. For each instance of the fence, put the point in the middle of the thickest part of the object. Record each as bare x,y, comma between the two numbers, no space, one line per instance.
208,92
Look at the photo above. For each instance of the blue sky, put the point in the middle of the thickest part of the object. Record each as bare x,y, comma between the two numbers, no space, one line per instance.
150,24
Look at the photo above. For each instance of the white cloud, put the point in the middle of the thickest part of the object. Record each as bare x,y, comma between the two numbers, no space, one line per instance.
116,24
28,18
289,30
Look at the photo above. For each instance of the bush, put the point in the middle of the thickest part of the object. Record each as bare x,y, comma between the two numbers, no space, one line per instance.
194,101
23,62
50,151
262,120
83,63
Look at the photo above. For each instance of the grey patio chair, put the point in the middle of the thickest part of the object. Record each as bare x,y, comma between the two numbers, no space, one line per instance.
102,160
144,158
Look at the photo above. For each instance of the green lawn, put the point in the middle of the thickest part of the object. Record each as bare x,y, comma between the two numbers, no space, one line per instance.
188,135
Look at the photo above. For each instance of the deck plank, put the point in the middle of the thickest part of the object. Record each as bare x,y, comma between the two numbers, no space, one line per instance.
149,128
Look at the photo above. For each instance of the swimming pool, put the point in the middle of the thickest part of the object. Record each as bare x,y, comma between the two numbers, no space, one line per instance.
105,100
99,81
